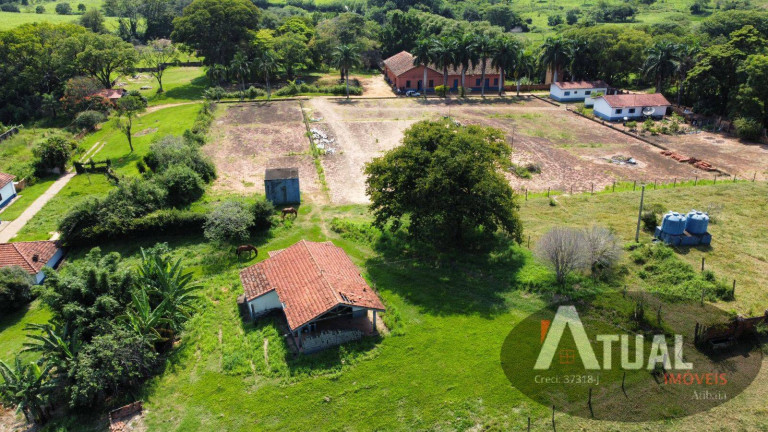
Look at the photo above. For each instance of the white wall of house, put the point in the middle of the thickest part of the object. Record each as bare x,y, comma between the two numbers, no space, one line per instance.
51,263
264,303
7,193
573,95
606,112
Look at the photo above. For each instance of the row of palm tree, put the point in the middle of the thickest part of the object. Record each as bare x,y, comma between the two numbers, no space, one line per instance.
266,63
504,53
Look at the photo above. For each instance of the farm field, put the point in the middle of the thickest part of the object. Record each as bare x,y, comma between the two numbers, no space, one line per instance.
574,154
221,378
248,138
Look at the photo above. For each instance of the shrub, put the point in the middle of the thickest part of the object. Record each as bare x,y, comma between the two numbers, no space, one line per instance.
214,93
81,8
15,288
9,7
562,249
441,90
602,248
554,20
40,9
171,150
141,166
89,119
263,211
63,9
748,128
53,153
184,185
230,222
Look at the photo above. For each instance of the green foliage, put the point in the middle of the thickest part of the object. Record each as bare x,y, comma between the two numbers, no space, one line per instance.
358,232
263,212
183,184
441,90
53,153
9,7
15,288
651,216
88,120
40,9
25,386
216,29
170,150
63,9
465,189
93,20
748,129
230,222
554,20
663,272
293,89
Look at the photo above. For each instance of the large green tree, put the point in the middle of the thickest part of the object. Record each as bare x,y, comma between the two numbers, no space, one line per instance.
216,29
102,56
662,62
446,179
345,58
506,52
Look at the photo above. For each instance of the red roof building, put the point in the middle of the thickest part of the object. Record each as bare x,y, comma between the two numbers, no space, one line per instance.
31,256
111,94
310,282
631,106
5,179
404,75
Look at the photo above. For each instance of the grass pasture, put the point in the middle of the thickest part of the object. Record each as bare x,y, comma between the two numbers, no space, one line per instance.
180,84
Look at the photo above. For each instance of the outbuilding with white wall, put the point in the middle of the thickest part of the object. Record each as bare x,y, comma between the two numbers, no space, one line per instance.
576,91
631,106
7,189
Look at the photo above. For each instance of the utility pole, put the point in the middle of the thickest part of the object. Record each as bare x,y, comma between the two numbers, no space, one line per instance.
640,214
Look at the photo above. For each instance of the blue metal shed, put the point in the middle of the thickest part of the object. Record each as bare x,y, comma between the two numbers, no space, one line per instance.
281,185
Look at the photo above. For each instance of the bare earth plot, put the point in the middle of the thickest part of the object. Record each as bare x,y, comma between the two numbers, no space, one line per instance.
571,151
248,138
744,160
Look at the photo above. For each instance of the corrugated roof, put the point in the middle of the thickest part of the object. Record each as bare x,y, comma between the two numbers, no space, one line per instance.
5,179
281,173
310,279
31,256
570,85
636,100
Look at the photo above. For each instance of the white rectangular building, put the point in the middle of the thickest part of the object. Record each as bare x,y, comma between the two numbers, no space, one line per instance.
631,106
576,91
7,189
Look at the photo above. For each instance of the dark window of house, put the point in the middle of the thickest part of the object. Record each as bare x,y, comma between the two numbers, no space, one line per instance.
478,81
408,84
618,111
567,93
431,83
495,81
587,92
631,110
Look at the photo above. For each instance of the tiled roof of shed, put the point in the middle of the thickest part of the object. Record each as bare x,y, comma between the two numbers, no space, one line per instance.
569,85
6,178
636,100
22,254
310,279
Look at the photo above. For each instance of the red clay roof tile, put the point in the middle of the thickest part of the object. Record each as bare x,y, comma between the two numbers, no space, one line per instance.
636,100
22,254
310,279
403,62
5,179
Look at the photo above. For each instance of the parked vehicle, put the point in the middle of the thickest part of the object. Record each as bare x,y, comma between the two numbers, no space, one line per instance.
412,93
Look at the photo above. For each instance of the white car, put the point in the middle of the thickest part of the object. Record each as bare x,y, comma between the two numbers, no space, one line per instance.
412,93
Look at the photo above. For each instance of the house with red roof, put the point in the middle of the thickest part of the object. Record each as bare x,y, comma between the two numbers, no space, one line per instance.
7,189
111,94
631,106
31,256
403,75
319,290
576,91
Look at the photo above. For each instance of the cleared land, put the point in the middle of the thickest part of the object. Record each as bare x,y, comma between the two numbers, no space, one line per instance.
248,138
572,152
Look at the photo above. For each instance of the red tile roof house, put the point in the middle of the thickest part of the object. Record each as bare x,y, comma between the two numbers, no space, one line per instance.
321,292
111,94
403,75
576,91
31,256
631,106
7,189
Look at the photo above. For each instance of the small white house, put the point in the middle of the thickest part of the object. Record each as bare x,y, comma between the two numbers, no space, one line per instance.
631,106
7,189
576,91
31,256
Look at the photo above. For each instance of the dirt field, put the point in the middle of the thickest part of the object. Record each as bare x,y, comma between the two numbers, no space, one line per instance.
573,153
248,138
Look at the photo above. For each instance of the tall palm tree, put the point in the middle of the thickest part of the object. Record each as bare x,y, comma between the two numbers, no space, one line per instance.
578,60
422,56
661,63
483,48
242,68
346,57
554,54
465,55
27,387
524,66
217,73
687,60
503,57
266,63
444,55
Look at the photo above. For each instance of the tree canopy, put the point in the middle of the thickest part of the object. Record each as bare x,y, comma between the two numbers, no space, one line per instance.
446,179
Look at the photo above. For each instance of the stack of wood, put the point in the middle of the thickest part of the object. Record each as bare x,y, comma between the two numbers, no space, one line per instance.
119,418
676,156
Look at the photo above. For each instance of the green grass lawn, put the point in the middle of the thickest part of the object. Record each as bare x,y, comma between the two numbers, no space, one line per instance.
16,152
26,197
180,84
12,334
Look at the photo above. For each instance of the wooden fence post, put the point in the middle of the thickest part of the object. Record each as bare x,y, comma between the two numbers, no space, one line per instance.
674,185
695,180
714,182
733,291
589,403
634,185
526,194
702,263
623,378
592,185
547,192
614,186
554,429
754,177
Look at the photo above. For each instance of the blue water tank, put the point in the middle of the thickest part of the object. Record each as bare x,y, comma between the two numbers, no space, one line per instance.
673,223
697,222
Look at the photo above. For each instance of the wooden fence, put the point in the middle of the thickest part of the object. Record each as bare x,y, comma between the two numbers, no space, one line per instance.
9,133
